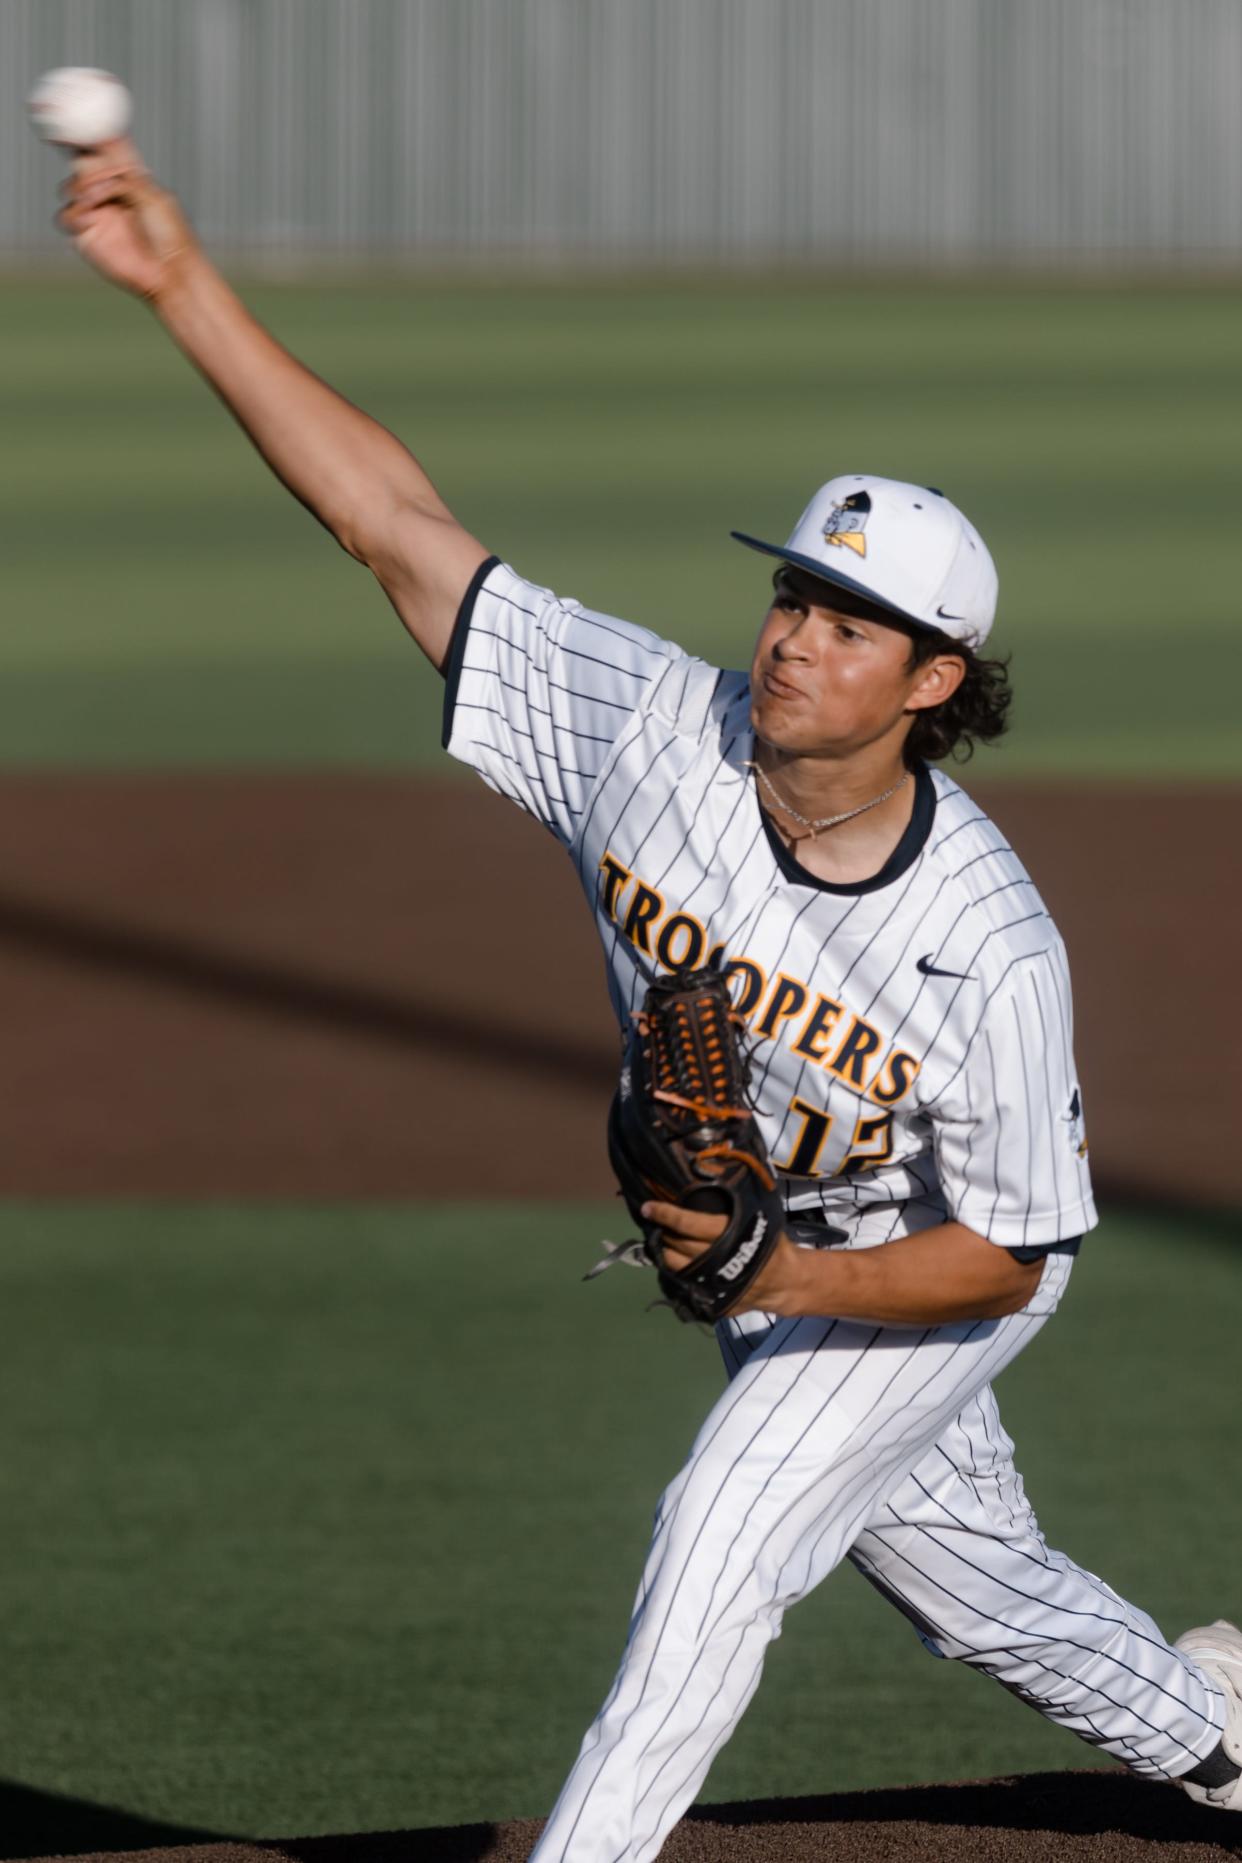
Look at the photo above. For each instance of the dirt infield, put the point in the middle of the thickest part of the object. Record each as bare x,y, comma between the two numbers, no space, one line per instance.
300,985
1083,1817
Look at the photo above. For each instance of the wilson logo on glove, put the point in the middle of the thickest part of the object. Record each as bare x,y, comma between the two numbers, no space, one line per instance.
747,1252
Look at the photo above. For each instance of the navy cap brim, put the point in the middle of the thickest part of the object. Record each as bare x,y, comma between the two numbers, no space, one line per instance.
814,567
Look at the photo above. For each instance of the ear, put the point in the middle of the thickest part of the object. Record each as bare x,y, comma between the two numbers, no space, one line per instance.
935,682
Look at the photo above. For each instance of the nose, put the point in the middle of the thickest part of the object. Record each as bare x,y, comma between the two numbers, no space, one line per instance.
797,642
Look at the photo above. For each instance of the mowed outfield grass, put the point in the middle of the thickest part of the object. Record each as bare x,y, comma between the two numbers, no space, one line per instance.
165,603
329,1519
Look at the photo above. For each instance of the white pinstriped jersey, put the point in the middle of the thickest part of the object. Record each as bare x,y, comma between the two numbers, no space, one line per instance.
912,1035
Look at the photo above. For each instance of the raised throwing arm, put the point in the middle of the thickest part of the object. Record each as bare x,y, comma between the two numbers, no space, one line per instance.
353,475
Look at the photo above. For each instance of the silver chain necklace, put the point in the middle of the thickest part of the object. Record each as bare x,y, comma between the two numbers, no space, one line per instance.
829,821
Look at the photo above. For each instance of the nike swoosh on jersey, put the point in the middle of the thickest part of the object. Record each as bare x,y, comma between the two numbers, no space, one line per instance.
930,970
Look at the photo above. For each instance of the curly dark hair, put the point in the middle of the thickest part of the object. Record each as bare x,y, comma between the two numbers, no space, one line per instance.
977,713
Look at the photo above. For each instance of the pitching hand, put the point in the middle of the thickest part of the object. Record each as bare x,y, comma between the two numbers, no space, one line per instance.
130,229
687,1233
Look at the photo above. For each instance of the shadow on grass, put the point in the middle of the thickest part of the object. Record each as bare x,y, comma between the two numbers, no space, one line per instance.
1130,1815
1096,1814
35,1824
1075,1804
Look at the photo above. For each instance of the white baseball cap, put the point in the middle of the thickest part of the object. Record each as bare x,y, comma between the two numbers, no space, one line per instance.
903,547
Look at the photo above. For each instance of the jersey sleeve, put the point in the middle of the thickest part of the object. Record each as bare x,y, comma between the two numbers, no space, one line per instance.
1008,1130
539,690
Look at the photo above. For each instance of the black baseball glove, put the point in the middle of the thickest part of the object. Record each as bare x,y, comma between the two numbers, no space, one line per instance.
682,1130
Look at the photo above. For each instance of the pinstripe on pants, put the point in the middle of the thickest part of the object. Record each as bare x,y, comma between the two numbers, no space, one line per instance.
883,1444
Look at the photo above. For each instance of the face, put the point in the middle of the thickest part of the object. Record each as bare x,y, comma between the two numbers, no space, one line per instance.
826,681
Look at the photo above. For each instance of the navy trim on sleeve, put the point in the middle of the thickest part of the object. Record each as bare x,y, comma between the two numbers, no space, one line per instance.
1038,1250
457,645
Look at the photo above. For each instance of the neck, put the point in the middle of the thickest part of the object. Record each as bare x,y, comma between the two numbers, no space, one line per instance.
823,785
819,787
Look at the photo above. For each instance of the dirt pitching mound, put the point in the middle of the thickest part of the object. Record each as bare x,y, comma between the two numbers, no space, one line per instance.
1087,1816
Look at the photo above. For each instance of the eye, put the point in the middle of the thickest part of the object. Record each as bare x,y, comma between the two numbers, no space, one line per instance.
846,632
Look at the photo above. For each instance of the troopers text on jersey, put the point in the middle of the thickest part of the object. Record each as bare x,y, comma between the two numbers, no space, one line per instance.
819,1028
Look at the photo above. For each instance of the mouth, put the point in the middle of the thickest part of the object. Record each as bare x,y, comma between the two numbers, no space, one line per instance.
780,688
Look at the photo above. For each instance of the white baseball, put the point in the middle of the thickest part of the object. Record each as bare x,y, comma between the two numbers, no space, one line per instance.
78,107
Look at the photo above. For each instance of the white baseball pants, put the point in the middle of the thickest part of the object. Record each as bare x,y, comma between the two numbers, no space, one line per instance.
839,1439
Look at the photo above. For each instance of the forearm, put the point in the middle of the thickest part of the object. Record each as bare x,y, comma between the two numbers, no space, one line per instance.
357,479
929,1279
347,469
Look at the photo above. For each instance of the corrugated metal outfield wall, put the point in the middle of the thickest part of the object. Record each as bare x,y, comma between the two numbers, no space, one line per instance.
856,131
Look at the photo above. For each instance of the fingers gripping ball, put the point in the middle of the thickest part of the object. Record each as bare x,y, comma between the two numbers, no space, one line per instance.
682,1130
78,107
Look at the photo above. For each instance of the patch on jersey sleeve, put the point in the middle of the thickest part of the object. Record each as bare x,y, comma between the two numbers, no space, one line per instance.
1074,1121
847,522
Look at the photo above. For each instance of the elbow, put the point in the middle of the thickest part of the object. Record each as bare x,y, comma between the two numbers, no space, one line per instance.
368,524
358,537
391,535
1018,1289
342,526
999,1283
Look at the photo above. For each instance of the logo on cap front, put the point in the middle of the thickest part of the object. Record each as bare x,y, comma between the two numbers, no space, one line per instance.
847,522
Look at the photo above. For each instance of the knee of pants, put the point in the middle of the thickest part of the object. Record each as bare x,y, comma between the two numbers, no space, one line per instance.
999,1631
1028,1657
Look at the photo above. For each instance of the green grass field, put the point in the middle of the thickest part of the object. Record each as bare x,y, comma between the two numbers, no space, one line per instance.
329,1519
164,602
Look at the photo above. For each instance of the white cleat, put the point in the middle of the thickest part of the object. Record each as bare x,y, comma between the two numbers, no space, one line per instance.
1217,1648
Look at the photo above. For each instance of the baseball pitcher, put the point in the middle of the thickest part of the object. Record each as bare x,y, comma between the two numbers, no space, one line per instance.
850,1127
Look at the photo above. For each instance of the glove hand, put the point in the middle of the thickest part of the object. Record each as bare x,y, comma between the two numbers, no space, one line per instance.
686,1234
682,1130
